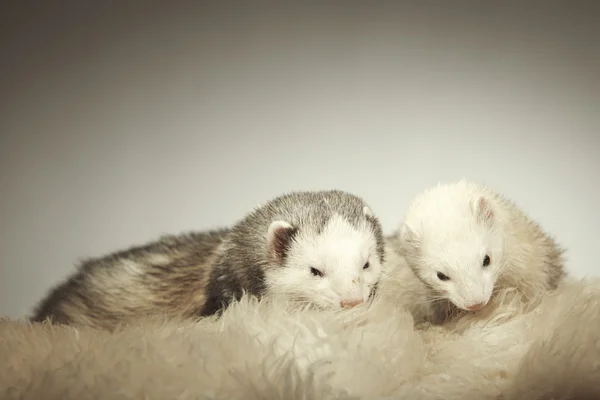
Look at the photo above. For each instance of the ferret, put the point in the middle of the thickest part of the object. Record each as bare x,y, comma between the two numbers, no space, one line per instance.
319,248
463,242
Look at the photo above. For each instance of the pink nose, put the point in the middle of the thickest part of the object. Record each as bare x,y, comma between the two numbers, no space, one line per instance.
350,303
476,307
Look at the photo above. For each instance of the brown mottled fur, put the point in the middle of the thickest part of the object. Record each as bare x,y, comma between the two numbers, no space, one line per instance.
166,276
533,262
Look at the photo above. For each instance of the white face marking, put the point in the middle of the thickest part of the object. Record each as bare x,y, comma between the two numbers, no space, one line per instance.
452,246
466,282
340,254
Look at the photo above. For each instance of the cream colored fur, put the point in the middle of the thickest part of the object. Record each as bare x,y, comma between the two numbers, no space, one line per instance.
267,351
450,228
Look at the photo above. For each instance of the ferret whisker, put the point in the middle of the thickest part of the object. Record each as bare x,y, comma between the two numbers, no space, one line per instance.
429,301
500,271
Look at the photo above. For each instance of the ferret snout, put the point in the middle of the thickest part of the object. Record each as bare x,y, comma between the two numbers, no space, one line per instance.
476,306
351,303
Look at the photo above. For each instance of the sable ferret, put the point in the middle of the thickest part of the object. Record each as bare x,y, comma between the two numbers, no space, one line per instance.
322,248
462,242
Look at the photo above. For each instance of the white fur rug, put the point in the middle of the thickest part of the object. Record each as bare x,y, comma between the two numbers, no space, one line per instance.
265,351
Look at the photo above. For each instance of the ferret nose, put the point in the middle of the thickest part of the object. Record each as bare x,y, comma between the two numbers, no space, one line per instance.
351,303
476,306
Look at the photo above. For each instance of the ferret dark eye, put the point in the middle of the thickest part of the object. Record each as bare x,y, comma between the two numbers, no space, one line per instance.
442,277
316,272
367,265
486,260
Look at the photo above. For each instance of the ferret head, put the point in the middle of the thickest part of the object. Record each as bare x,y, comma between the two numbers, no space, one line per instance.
328,252
453,243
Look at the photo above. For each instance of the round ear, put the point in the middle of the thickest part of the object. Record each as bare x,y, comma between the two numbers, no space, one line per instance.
367,212
483,210
279,238
410,244
408,234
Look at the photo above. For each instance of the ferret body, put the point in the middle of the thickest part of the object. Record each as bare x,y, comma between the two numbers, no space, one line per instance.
167,276
463,242
321,248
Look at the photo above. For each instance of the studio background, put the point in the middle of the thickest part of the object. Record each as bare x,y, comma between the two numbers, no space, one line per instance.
127,120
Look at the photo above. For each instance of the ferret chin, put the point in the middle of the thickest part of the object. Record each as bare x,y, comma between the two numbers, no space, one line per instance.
463,242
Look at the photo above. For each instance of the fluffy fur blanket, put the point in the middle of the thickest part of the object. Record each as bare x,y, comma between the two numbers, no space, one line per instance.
546,350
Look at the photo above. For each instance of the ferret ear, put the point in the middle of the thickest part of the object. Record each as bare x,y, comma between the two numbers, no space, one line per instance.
483,210
279,239
367,212
409,235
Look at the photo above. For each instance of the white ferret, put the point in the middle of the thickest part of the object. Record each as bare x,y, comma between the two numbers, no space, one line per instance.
463,242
